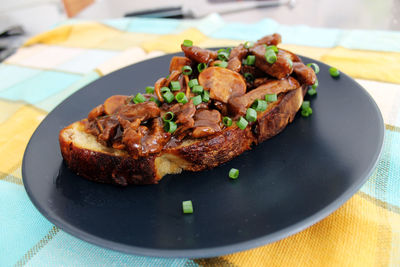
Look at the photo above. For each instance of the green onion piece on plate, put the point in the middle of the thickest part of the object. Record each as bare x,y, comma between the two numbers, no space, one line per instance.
248,44
149,89
315,85
168,116
270,56
222,64
311,92
250,60
170,126
206,96
181,98
227,121
271,97
139,98
187,70
251,115
197,89
260,105
187,206
314,66
223,55
242,123
187,43
233,173
168,97
197,100
164,89
193,82
306,104
273,48
334,72
175,86
201,66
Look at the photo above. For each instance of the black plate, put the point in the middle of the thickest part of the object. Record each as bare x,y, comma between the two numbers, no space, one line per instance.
286,184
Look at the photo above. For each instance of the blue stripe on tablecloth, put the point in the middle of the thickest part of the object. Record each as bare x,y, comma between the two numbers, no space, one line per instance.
384,184
40,87
22,226
11,75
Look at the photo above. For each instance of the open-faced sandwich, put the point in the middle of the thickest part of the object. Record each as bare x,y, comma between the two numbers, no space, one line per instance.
213,106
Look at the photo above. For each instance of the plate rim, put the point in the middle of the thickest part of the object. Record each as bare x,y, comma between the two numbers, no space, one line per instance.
218,250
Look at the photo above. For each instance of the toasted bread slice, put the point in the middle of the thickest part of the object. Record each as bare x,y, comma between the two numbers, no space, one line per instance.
94,161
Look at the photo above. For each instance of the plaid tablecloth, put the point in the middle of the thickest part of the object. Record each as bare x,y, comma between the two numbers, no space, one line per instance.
363,232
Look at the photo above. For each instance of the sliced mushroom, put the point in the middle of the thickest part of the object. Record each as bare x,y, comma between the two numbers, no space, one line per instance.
178,62
239,51
304,74
198,54
234,64
114,103
273,39
96,112
222,83
239,105
157,88
280,69
206,123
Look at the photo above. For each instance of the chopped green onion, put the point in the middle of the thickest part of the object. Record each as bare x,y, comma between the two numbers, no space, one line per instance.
187,43
249,77
181,98
234,173
206,96
197,100
175,86
223,55
271,97
272,47
260,105
167,76
193,82
306,112
201,66
228,50
251,115
150,89
315,85
164,90
187,206
186,70
139,98
197,89
250,60
170,126
312,92
227,121
169,116
306,104
248,44
168,97
314,66
334,72
222,64
290,62
242,123
270,56
155,100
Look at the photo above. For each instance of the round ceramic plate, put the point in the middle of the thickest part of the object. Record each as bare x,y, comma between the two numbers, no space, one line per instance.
286,184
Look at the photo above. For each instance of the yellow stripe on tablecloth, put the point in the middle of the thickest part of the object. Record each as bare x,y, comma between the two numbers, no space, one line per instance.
357,234
172,42
15,134
126,40
370,65
8,108
82,35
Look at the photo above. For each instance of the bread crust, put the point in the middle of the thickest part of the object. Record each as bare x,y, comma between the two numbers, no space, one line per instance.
107,165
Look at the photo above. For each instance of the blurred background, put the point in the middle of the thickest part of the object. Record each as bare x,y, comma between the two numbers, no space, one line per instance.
20,19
